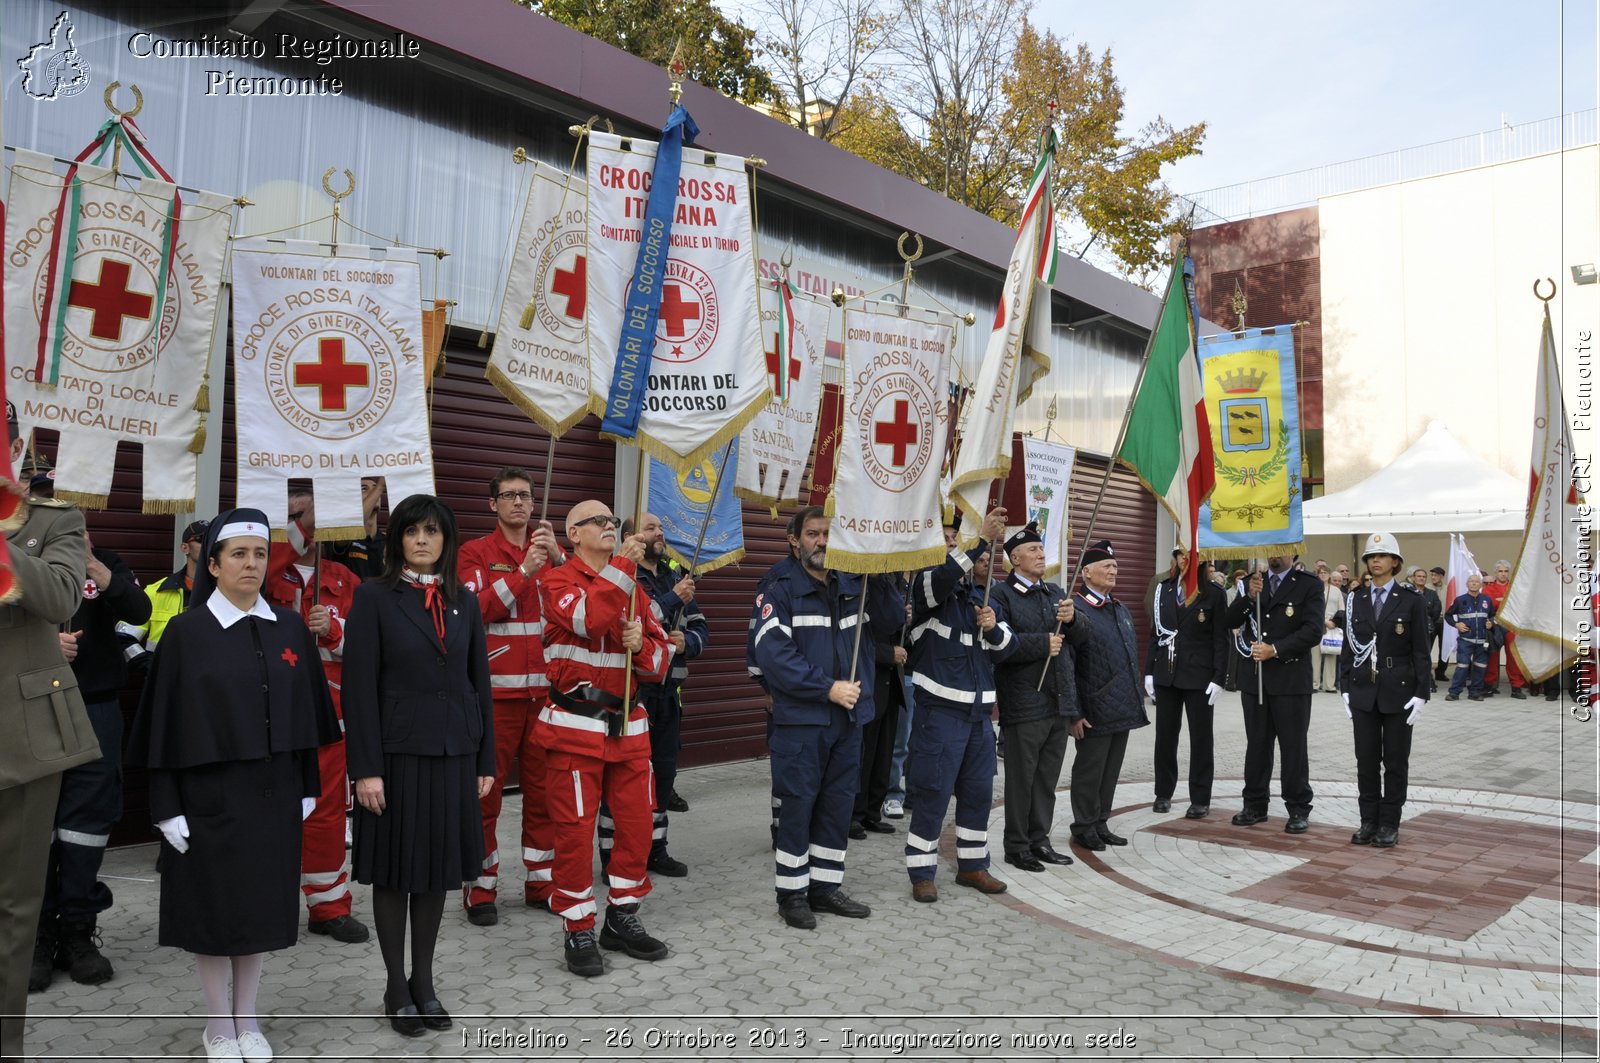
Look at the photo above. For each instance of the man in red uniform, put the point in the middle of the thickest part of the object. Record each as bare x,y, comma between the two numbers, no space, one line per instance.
1496,589
504,569
293,570
601,645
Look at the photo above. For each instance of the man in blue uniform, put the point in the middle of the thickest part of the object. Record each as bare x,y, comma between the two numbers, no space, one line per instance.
804,640
1472,614
953,638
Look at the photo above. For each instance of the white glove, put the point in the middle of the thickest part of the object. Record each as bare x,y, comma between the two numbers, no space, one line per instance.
308,805
1347,713
1415,705
1213,694
1150,687
176,831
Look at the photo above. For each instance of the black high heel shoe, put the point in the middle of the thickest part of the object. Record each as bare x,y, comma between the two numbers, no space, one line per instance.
434,1017
405,1019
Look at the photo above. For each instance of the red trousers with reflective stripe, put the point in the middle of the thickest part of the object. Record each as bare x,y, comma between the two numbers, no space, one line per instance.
324,879
575,785
513,740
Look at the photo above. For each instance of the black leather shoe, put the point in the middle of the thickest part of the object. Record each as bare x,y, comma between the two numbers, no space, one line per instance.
878,826
1552,695
857,831
623,930
1475,697
1197,812
797,913
434,1017
1386,838
1364,835
1162,804
1048,855
1452,697
404,1018
1518,694
663,863
1024,861
1092,842
1296,825
676,803
837,902
482,914
1111,839
582,953
1246,817
345,928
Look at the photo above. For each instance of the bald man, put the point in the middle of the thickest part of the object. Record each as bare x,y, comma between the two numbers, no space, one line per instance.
602,643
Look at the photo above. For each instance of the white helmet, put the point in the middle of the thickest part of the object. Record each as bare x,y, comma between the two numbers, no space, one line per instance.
1382,543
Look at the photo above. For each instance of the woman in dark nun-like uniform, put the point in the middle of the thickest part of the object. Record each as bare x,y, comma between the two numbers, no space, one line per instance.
233,711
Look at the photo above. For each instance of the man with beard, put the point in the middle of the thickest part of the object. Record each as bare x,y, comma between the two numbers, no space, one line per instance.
1277,705
806,621
954,637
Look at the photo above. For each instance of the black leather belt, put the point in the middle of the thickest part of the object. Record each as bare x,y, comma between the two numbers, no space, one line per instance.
595,704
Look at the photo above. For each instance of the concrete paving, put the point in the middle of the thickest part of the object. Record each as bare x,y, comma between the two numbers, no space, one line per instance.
1475,938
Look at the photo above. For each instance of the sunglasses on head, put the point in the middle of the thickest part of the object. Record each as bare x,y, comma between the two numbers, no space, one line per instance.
603,520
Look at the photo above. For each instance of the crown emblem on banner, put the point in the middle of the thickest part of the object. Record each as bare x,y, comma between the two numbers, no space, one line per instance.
1237,381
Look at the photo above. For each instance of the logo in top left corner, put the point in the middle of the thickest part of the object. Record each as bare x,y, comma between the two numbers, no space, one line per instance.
54,69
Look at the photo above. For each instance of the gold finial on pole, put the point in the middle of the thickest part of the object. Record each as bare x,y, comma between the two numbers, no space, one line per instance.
908,258
118,114
1240,303
519,155
837,295
1545,298
349,187
676,67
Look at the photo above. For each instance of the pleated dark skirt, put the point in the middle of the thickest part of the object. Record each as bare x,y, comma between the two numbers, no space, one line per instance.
430,836
236,892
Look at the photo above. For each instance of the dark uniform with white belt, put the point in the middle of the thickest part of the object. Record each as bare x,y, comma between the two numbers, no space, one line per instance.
1384,673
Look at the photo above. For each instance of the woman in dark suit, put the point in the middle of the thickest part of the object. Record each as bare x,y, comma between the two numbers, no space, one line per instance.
1184,673
419,715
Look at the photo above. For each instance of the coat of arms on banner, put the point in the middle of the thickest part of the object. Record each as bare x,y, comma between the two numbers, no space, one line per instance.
885,501
540,359
328,371
1048,470
123,355
775,446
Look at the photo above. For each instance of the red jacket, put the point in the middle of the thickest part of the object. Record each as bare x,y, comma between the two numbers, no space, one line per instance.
284,586
490,567
584,611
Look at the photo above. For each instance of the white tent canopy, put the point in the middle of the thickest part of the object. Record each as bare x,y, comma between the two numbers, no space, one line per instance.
1437,485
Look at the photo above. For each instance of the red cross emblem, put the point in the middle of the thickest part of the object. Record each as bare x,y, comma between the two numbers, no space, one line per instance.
900,433
110,300
574,284
290,656
772,367
330,372
677,311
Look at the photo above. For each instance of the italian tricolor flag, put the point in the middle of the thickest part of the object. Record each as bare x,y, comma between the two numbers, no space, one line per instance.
1168,439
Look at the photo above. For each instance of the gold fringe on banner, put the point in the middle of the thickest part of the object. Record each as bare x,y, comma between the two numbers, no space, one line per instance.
681,463
732,557
514,395
344,534
13,514
167,507
1214,553
875,564
83,500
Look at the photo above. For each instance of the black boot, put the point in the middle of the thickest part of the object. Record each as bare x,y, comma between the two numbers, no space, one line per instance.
623,930
79,953
43,971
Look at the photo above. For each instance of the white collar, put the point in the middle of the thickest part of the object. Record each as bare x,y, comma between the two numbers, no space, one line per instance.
228,614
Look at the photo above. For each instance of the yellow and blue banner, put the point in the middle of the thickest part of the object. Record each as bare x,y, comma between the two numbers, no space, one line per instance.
1253,405
681,501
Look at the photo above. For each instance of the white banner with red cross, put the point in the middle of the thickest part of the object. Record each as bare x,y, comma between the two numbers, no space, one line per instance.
895,416
776,445
707,377
540,359
126,355
328,378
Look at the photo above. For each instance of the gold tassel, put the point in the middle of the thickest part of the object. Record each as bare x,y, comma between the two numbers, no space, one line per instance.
483,339
202,398
197,445
527,315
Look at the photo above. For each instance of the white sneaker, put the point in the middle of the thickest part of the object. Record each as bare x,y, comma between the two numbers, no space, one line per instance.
220,1047
254,1048
894,809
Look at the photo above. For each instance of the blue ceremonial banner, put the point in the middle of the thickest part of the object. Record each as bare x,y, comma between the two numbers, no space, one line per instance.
680,500
1253,403
642,304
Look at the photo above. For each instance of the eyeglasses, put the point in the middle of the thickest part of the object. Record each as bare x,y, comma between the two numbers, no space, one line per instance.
604,520
515,496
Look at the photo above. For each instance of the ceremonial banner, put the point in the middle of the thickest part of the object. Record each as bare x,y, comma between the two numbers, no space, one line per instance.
1547,604
328,368
540,359
681,499
885,503
1048,470
829,435
705,377
1460,567
126,349
1254,413
1018,353
775,446
1168,442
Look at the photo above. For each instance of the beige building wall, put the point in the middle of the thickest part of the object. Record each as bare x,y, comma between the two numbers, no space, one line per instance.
1428,309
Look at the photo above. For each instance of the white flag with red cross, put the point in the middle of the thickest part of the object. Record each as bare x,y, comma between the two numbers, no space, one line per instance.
540,359
775,446
885,506
328,378
110,306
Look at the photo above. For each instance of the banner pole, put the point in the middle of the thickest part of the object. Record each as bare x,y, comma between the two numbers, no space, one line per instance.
711,505
633,599
861,616
549,467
